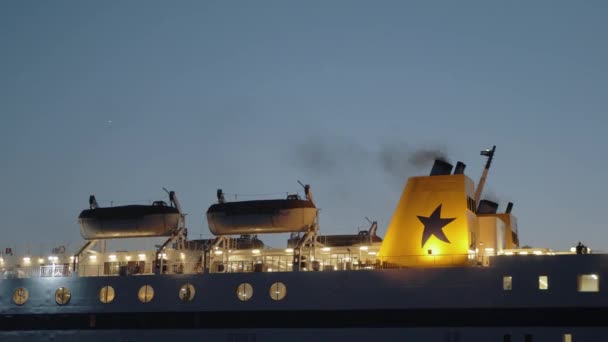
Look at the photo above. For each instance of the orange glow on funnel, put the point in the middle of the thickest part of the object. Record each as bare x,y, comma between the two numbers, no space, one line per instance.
433,215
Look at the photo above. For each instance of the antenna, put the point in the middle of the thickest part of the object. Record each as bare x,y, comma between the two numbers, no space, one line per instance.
489,153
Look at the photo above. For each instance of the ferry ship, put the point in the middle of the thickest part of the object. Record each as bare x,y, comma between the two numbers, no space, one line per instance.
450,268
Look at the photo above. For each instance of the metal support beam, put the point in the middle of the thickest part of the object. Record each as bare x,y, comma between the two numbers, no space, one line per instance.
88,245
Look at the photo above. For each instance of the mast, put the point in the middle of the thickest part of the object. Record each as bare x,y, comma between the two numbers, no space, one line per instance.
482,181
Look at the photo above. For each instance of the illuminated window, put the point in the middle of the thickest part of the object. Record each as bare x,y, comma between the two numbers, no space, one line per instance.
145,294
20,296
244,292
543,282
278,291
507,283
567,338
63,295
106,294
186,292
588,283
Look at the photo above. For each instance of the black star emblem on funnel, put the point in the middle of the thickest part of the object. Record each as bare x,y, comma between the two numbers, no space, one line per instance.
433,225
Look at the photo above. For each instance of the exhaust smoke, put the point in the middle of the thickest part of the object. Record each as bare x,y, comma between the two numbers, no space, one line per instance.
397,160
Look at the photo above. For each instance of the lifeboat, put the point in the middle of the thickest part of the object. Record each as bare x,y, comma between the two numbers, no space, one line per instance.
129,221
261,216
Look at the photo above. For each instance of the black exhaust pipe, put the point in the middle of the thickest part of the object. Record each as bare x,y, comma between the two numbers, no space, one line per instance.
441,167
509,208
459,169
487,207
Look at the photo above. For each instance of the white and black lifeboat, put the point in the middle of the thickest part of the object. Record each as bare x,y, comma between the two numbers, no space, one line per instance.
129,221
292,214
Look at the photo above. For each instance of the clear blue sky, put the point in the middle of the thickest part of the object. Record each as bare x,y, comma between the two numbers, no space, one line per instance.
234,94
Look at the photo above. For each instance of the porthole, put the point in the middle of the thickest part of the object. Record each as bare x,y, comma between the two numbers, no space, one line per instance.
20,295
106,294
278,291
145,294
186,292
63,295
244,292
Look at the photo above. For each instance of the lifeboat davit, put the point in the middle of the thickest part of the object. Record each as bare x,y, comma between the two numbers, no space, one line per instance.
129,221
261,216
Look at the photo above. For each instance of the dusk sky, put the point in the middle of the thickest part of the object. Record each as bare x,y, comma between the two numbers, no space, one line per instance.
122,98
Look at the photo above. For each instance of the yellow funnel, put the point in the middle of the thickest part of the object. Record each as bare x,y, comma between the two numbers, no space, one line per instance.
433,225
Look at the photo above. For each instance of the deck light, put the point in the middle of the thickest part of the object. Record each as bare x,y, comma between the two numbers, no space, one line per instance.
326,249
218,252
27,260
363,248
289,250
255,251
112,257
92,257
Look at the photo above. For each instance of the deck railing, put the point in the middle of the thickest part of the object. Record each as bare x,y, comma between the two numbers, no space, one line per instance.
36,271
267,263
